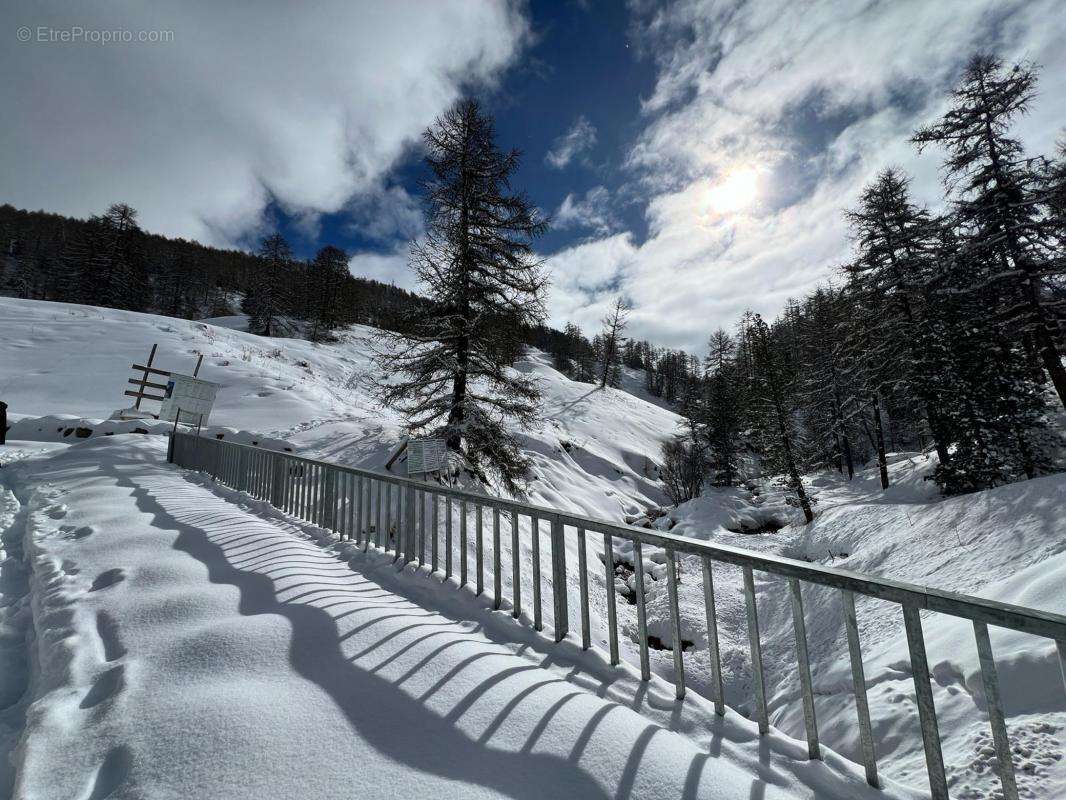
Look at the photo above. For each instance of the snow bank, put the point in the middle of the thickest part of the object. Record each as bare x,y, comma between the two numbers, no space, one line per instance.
65,427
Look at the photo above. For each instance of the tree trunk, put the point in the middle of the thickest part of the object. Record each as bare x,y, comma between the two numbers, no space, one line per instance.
882,460
1052,362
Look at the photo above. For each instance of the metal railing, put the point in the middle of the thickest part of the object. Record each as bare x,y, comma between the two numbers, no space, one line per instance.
389,512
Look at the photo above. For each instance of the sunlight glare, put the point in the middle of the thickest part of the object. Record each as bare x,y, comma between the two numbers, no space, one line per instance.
736,191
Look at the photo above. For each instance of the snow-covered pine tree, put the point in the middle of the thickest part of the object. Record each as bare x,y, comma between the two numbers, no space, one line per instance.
821,383
773,389
895,243
996,192
723,408
476,265
264,302
610,351
996,419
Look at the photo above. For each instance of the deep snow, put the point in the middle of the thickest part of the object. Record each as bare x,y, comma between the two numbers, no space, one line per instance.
595,454
190,642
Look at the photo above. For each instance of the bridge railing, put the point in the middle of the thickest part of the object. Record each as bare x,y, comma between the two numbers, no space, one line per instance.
420,522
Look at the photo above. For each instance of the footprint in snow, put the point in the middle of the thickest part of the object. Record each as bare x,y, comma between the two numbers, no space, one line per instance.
74,532
107,630
112,773
106,579
109,684
57,512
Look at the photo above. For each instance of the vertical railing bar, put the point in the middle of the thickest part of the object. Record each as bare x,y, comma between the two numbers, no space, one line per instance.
380,516
1060,645
923,690
560,606
1005,763
497,562
357,523
858,679
799,626
462,542
642,616
356,508
675,618
479,551
537,622
714,654
756,651
447,537
422,528
583,583
612,612
434,562
516,568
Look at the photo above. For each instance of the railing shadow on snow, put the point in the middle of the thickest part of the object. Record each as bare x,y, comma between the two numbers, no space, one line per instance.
361,506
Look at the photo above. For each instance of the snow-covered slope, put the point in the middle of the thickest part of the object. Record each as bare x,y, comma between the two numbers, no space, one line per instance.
594,451
1007,544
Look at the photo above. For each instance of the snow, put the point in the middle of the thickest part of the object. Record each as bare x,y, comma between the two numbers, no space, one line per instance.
189,641
1006,544
210,665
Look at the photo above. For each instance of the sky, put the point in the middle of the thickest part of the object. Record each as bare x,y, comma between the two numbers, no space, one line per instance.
693,156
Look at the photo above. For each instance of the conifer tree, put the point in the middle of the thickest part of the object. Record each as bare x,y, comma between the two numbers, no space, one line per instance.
264,303
723,408
773,387
996,192
477,267
325,278
609,351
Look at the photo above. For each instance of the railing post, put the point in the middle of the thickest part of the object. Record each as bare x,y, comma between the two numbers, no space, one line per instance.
562,621
410,530
858,680
923,690
329,520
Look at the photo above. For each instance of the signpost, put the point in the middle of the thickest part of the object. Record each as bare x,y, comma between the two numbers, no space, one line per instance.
143,383
189,396
425,455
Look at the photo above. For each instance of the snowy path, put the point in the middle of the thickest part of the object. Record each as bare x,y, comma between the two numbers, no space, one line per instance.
191,646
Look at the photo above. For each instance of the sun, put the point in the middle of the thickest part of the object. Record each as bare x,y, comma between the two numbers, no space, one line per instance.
738,189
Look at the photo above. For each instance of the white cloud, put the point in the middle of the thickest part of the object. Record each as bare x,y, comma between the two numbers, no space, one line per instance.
582,277
574,143
815,98
244,104
385,267
385,215
590,212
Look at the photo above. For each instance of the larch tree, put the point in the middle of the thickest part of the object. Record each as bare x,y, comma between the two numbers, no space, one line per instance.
997,192
264,303
451,376
325,278
894,266
773,386
610,342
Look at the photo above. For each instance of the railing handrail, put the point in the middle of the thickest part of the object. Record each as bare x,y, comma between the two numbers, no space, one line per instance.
992,612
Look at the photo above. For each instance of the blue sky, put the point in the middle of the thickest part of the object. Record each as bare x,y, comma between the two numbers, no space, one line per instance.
574,95
695,155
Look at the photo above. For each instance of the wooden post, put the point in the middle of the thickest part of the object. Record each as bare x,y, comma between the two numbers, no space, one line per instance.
147,369
3,422
173,432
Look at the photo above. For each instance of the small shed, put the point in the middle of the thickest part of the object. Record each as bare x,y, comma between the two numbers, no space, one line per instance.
193,396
